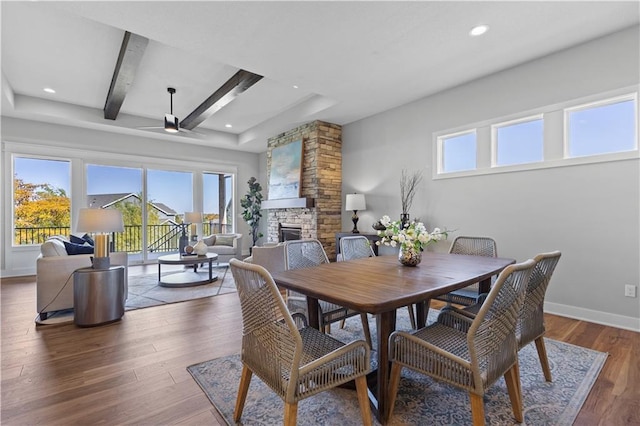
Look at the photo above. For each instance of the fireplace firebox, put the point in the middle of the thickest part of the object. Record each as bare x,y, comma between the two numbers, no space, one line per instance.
287,232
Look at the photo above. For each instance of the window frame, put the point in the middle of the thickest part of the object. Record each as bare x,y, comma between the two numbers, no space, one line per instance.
596,104
554,138
79,158
440,139
494,138
11,193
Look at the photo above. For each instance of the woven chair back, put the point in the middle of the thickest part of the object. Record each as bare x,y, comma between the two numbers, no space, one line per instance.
271,342
491,337
304,254
356,247
531,319
476,246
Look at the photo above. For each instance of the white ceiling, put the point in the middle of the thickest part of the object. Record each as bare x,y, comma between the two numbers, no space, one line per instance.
350,59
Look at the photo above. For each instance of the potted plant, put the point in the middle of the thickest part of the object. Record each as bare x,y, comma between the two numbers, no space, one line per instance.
251,203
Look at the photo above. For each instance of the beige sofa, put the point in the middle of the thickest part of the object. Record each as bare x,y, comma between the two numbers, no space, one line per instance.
54,275
226,246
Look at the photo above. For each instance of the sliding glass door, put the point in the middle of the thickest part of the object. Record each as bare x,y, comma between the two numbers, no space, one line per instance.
120,188
169,195
153,202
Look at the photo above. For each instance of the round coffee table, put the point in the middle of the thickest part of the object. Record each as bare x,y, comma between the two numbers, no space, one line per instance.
186,278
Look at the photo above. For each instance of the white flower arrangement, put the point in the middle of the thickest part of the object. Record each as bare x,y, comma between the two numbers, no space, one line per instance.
413,235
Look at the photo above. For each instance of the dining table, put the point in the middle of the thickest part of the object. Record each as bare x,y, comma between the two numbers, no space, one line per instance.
379,286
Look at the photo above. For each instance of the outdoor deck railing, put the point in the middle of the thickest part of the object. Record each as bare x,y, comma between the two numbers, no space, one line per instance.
161,238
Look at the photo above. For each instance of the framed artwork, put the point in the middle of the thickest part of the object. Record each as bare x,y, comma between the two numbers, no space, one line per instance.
286,171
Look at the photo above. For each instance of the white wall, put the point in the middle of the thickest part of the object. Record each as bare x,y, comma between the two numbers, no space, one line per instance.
590,212
84,144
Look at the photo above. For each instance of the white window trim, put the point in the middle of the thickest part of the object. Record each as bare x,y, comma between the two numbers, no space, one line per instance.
595,104
494,138
553,151
439,149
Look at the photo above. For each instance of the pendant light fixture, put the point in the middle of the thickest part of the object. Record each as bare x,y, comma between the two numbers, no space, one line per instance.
171,121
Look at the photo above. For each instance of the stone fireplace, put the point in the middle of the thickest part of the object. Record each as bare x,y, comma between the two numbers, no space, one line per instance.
318,212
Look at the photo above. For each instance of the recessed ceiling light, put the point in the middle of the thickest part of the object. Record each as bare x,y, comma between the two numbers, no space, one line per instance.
478,30
228,126
295,86
49,90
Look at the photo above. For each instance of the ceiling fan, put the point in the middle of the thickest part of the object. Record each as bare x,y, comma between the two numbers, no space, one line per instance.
171,122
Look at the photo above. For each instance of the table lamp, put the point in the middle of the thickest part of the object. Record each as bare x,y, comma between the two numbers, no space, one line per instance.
100,222
354,203
193,218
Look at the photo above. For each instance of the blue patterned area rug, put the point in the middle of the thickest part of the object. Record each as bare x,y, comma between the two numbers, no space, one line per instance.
420,400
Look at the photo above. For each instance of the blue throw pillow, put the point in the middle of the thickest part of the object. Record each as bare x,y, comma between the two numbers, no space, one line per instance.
76,240
77,248
88,239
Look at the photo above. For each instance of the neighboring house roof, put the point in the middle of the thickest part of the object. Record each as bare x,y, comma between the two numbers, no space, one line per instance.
165,209
107,200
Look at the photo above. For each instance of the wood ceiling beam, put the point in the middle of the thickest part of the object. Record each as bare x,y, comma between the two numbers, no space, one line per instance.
230,90
131,52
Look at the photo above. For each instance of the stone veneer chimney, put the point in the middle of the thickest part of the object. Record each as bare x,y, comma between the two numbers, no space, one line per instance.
321,182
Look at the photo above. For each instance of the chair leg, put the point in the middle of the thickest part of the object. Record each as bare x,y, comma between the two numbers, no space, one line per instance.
544,361
290,413
392,391
342,323
512,379
245,380
412,316
363,400
477,409
365,329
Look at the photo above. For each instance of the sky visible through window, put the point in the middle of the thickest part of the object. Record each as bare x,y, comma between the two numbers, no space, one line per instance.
519,143
459,153
607,127
602,129
171,188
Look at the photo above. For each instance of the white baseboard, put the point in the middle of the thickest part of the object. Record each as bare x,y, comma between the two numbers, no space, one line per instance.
598,317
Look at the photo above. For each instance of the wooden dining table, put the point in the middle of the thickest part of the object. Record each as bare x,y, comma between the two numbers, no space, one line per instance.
380,285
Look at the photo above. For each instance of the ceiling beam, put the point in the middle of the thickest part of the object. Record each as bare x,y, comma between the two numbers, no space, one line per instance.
230,90
131,51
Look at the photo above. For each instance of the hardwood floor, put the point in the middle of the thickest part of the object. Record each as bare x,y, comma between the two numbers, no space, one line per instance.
134,371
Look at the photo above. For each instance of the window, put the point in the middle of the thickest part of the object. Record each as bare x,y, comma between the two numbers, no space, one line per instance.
597,128
458,152
41,199
605,127
119,188
518,142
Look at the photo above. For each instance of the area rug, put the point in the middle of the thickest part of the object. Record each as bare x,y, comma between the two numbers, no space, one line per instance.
420,400
145,292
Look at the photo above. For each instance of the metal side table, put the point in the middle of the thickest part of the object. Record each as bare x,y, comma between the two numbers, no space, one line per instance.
98,295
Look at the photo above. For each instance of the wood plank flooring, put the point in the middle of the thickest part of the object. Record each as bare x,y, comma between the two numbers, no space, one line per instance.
134,371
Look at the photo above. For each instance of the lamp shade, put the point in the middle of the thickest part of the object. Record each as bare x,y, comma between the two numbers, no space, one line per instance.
192,217
100,220
355,202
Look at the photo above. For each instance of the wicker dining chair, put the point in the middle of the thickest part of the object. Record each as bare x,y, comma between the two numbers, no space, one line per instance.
306,253
469,353
294,363
530,326
358,247
476,246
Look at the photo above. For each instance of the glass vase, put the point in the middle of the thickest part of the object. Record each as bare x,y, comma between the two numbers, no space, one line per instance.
409,256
